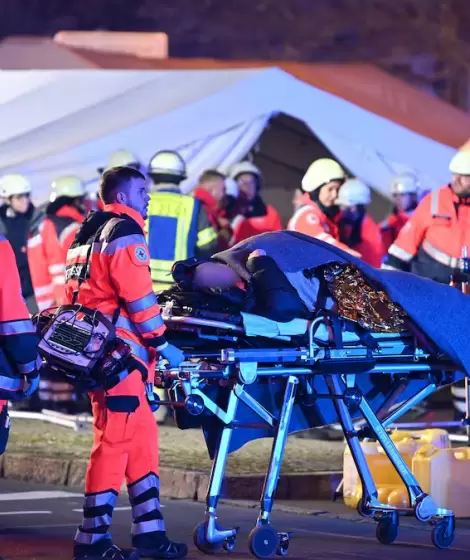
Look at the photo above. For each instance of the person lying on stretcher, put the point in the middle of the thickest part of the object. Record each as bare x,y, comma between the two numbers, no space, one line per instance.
338,288
282,275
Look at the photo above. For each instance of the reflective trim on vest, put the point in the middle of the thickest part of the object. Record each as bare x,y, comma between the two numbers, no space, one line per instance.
172,232
441,257
23,326
206,236
142,304
400,253
435,206
161,271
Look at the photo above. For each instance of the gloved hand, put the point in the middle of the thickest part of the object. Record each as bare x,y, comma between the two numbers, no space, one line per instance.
172,354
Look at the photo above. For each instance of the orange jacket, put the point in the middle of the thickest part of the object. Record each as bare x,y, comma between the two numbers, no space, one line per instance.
432,241
370,246
57,235
119,277
310,220
391,227
18,339
243,228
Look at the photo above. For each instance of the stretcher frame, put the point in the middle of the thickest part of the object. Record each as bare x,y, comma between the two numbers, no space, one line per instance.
340,368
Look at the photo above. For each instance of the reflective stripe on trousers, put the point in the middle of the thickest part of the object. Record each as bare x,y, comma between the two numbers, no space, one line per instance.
97,514
144,497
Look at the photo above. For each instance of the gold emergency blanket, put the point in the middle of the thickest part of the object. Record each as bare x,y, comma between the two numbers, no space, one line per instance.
358,301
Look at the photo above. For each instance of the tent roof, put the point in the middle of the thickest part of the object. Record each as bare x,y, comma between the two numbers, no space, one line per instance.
362,84
56,122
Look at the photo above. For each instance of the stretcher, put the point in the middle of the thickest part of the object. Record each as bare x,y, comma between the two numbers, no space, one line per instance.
247,377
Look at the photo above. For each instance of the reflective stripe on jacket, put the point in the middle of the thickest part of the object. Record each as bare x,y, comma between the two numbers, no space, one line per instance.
432,241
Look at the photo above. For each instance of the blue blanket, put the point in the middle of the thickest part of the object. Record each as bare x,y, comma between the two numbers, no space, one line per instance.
441,312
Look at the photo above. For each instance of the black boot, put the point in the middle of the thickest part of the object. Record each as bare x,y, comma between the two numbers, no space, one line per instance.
104,549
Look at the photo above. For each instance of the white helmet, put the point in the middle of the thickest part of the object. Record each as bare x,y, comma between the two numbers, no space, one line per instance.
67,186
352,193
406,183
11,185
168,162
460,163
244,167
321,172
122,158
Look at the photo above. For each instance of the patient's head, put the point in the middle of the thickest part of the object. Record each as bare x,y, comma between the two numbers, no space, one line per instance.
215,275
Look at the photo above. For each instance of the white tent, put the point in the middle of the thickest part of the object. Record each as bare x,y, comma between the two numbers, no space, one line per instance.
69,121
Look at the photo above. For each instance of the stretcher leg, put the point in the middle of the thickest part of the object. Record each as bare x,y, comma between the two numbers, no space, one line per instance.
369,489
381,413
422,505
209,537
264,540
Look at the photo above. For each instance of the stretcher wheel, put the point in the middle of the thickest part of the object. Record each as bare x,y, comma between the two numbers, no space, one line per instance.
363,509
200,541
442,535
420,511
387,528
230,543
263,541
194,405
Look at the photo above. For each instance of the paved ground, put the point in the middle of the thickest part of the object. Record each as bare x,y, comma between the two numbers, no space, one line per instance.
38,523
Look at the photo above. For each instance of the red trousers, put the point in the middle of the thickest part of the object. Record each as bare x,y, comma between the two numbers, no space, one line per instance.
125,444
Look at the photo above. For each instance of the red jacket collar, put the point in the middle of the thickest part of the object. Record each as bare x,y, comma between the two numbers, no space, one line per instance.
206,198
70,212
120,209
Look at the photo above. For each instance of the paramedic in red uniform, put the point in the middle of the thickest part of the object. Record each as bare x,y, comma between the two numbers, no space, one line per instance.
432,242
18,339
125,431
317,213
357,229
64,214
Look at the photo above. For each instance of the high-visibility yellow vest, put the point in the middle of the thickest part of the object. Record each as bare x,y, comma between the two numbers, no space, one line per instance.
172,232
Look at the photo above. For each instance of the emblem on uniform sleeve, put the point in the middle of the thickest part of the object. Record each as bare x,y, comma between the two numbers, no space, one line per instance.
141,254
